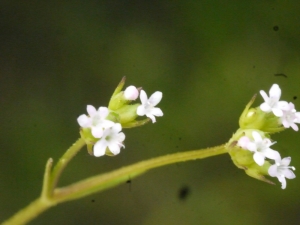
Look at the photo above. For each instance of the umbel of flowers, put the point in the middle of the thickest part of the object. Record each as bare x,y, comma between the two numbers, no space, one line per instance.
102,128
250,147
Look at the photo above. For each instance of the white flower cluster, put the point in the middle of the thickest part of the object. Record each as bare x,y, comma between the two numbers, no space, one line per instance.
108,132
260,146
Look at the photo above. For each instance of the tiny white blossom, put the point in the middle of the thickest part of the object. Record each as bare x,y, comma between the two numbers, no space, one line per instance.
112,139
290,117
260,147
282,170
272,103
148,105
96,120
131,93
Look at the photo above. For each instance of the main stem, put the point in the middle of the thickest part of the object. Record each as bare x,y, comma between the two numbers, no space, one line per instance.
31,211
101,182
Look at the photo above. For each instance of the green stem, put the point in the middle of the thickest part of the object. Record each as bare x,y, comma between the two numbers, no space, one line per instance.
111,179
29,212
63,161
99,182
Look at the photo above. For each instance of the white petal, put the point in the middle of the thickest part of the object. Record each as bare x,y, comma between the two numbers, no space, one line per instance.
107,124
275,91
265,107
151,117
286,161
289,174
273,171
117,128
103,111
99,148
284,105
91,110
121,137
114,148
282,181
84,121
143,97
252,147
256,136
272,154
155,98
157,112
259,158
295,127
97,132
264,95
141,110
277,112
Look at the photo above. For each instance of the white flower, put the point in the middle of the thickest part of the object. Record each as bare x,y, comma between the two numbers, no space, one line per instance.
131,93
148,105
272,103
290,117
260,147
281,170
96,120
112,139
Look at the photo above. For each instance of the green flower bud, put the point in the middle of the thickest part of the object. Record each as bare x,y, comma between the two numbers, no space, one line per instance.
255,118
117,100
243,159
89,139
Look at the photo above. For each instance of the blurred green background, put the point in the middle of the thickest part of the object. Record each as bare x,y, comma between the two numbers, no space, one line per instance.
207,57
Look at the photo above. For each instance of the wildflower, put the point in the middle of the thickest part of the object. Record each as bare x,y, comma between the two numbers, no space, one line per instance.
282,170
110,142
290,117
131,93
148,105
272,103
96,120
260,147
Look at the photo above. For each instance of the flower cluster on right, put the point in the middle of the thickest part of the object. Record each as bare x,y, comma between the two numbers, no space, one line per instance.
251,144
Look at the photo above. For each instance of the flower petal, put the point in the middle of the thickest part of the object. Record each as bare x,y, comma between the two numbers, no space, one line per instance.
99,148
155,98
84,121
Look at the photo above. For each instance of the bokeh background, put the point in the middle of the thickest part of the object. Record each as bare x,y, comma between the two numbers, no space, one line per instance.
207,57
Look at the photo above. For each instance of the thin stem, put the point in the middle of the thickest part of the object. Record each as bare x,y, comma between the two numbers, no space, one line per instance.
64,160
47,177
99,182
110,179
30,212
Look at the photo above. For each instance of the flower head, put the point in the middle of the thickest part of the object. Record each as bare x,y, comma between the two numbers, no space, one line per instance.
148,105
290,117
96,120
260,147
110,142
282,170
272,103
131,93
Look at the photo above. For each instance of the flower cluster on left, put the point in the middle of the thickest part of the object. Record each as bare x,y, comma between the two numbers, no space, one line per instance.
102,129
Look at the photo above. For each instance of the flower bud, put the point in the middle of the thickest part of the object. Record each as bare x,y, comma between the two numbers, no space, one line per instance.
243,159
255,118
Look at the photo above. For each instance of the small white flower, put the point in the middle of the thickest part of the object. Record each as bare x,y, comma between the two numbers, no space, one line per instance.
96,120
260,147
148,105
290,117
131,93
282,170
112,139
272,103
